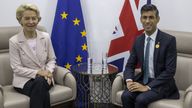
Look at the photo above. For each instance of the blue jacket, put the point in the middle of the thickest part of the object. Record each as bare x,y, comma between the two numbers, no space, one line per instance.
165,58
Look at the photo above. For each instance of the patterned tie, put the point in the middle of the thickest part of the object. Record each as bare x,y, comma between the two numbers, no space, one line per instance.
146,62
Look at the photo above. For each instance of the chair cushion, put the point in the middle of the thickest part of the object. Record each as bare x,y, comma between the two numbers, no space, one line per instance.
169,103
163,103
13,99
59,94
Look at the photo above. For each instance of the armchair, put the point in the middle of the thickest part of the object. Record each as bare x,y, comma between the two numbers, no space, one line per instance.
1,97
63,92
183,76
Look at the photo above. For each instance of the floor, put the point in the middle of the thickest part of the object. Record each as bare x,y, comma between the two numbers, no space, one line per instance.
89,106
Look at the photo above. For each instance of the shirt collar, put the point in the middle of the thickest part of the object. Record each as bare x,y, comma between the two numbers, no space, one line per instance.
153,36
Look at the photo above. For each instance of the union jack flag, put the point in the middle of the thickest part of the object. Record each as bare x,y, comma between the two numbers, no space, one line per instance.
125,33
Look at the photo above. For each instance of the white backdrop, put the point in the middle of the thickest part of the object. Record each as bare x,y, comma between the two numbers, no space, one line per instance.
101,16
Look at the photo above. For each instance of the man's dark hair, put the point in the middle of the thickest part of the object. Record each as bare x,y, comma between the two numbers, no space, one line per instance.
150,7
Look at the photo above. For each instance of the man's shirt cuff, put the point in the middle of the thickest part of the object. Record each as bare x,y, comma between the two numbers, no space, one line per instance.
148,87
127,80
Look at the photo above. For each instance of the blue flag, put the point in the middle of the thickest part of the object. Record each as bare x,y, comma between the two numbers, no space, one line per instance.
69,34
69,40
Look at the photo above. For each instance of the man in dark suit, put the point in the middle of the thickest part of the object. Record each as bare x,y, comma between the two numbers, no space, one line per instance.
155,51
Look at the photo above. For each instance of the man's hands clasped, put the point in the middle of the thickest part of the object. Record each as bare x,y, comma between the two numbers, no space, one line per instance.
136,87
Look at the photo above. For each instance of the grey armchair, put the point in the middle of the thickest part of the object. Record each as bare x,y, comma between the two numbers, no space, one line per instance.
183,76
63,92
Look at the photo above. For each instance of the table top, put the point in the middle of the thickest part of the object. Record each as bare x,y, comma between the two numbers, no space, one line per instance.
97,69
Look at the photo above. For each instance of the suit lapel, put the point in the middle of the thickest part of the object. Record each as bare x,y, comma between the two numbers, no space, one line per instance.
41,46
25,47
142,47
157,47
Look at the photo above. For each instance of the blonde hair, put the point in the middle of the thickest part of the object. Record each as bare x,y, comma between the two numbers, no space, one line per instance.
22,8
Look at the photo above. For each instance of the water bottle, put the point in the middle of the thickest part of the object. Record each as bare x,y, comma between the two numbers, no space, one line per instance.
104,63
89,65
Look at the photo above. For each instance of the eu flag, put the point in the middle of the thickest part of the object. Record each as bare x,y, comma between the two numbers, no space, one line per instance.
69,34
69,39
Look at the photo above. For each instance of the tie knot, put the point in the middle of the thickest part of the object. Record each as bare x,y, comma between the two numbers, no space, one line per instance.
148,39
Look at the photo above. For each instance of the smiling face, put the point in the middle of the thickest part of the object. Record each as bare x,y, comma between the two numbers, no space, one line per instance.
149,20
29,20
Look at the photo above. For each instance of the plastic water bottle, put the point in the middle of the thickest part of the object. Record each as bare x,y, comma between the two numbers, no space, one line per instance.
89,65
104,63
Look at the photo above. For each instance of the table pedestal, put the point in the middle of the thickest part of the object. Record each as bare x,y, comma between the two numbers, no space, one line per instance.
94,88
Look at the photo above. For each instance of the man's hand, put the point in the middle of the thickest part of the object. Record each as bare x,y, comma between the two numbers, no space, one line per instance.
136,87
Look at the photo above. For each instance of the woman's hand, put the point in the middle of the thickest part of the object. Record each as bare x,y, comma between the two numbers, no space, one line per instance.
50,75
42,73
46,74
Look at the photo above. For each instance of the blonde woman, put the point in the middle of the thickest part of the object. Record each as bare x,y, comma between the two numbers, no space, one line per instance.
32,58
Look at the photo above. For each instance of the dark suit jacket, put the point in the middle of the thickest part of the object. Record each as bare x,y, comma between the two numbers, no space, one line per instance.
165,57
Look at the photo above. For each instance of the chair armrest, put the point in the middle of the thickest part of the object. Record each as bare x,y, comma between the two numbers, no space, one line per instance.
1,97
120,74
188,98
64,77
1,89
189,89
59,74
118,85
70,81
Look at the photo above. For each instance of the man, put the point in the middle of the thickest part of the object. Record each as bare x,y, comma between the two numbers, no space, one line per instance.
155,51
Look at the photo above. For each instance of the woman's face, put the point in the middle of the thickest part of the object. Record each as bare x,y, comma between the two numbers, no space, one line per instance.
29,21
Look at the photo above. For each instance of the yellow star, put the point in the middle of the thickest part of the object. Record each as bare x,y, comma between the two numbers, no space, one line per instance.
83,33
64,15
76,21
68,66
84,47
78,58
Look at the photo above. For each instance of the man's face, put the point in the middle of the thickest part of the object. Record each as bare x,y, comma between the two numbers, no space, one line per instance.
149,21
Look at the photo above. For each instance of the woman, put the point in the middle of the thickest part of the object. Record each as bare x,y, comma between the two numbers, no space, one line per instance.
32,58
